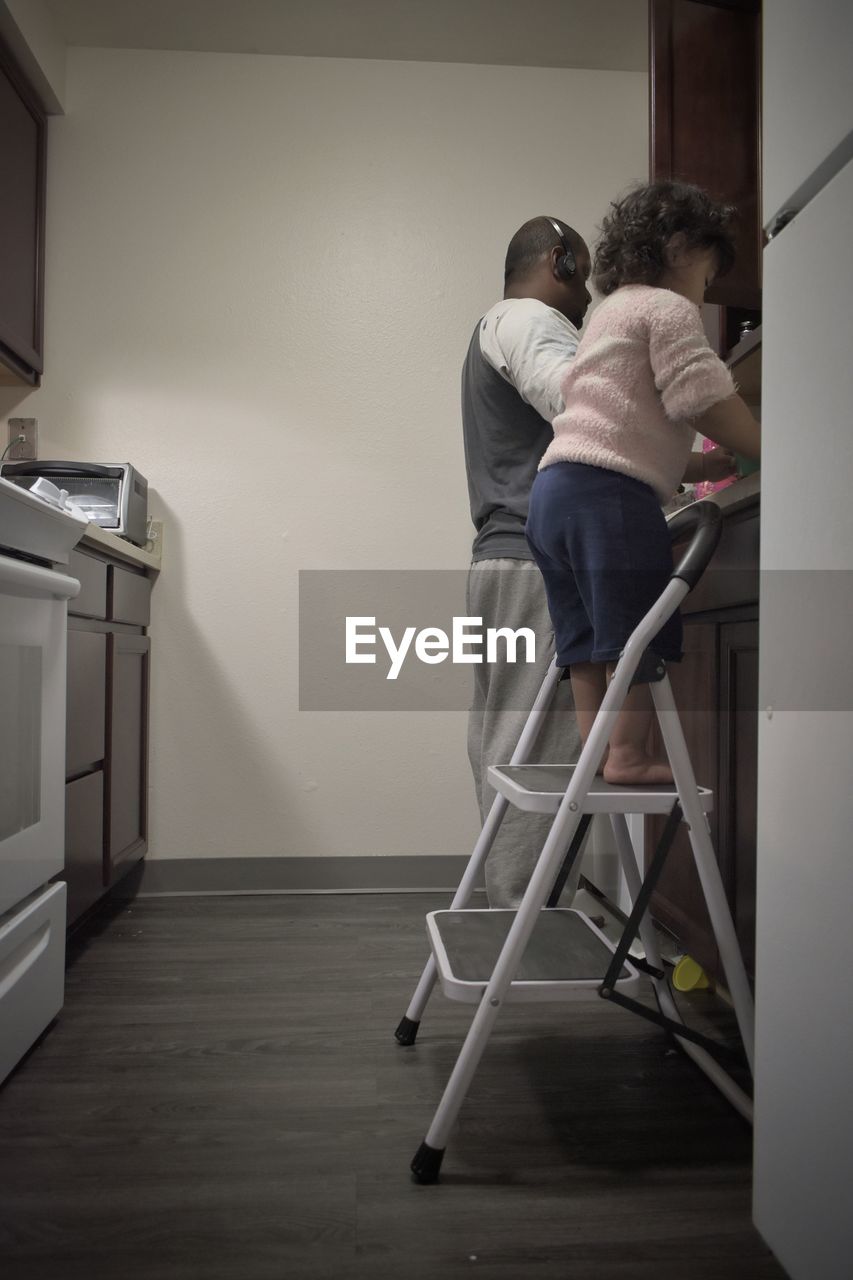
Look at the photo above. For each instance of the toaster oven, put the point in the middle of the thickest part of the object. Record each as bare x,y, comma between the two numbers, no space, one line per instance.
114,497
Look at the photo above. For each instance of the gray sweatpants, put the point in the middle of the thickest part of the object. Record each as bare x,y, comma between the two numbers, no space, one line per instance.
511,593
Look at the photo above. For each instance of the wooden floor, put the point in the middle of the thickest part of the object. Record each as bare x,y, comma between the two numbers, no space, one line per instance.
222,1099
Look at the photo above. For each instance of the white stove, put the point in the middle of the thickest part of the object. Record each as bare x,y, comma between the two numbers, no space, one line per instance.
34,536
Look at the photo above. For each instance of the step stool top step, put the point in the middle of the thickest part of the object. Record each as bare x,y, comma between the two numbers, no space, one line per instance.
539,788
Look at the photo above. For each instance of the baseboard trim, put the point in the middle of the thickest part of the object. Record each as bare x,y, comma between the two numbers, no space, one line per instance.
174,877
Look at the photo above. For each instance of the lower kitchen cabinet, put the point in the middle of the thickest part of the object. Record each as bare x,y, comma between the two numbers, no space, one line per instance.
716,692
107,726
84,842
86,718
678,902
126,768
738,785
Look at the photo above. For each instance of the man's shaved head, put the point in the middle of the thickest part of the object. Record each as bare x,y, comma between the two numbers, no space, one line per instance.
531,243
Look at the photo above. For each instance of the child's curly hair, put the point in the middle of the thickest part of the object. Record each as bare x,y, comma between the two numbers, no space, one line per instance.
635,233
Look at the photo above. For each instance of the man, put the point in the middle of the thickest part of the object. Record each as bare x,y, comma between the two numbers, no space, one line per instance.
516,361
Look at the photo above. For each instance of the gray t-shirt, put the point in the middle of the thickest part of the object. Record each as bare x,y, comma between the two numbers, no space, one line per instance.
518,356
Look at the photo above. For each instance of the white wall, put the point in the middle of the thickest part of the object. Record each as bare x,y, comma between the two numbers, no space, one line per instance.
804,942
262,275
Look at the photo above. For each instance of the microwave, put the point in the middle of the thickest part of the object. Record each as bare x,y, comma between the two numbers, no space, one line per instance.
114,497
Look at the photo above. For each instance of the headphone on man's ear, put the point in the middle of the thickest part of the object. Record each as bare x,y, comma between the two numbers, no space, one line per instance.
566,266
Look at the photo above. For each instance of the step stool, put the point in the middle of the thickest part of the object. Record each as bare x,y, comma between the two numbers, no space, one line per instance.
541,952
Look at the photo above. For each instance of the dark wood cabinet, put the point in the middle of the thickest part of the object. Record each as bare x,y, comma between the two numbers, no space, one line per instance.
738,778
85,722
84,842
679,903
106,726
716,692
705,60
127,754
23,149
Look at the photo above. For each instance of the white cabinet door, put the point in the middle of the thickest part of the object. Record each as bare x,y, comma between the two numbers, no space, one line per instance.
808,100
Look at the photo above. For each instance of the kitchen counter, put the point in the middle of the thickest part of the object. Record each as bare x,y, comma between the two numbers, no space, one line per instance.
121,549
740,494
735,497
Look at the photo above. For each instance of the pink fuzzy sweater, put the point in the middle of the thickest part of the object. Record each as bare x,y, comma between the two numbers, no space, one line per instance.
644,369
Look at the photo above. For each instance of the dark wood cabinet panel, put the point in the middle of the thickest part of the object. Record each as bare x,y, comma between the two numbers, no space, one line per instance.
84,842
716,692
92,576
127,749
130,597
738,786
85,724
678,902
705,118
23,143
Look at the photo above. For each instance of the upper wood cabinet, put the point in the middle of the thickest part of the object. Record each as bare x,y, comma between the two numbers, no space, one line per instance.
705,118
23,146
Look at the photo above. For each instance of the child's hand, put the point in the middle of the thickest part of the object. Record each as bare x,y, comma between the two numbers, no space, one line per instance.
718,463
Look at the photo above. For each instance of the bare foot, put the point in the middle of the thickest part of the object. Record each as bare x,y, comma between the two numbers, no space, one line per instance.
631,770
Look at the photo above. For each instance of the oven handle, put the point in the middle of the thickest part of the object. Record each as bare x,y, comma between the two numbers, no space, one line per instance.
18,578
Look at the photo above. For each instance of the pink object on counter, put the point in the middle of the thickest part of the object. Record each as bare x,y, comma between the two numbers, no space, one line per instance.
704,487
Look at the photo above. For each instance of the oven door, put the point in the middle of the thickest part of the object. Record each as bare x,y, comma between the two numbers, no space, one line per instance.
33,607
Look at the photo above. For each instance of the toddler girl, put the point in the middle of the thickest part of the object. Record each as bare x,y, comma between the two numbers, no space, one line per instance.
643,381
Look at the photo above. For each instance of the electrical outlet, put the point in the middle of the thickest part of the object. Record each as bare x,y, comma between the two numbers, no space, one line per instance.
27,449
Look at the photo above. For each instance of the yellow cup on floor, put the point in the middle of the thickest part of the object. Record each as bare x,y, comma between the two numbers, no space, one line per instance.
689,976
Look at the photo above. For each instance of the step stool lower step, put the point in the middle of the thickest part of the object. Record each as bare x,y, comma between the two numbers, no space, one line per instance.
566,958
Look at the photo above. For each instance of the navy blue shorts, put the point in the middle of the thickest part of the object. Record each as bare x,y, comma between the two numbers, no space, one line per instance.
601,542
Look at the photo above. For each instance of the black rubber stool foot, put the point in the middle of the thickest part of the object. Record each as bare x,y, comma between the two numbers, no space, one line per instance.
427,1163
407,1031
